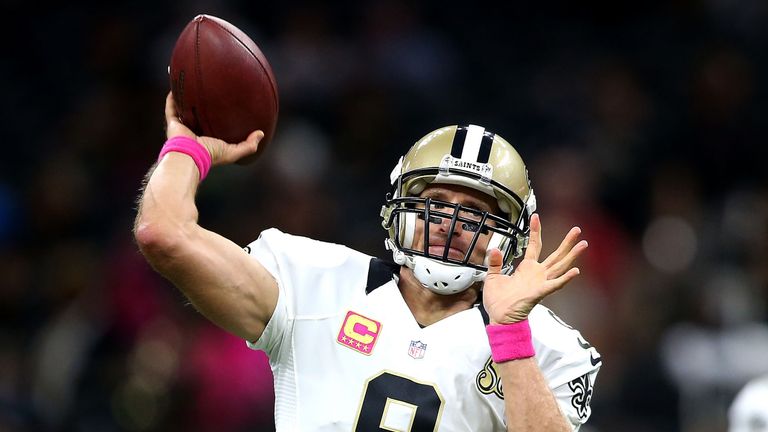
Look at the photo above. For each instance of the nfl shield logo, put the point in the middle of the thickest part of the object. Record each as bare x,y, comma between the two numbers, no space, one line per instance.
417,349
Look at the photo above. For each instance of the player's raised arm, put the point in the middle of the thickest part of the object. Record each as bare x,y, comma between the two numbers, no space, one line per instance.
530,404
220,279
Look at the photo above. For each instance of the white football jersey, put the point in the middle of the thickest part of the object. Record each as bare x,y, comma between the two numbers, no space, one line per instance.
347,354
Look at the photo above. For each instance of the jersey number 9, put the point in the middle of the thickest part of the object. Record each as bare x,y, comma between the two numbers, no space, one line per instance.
396,403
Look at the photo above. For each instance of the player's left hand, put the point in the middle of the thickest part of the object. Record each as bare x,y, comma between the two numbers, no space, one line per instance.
510,298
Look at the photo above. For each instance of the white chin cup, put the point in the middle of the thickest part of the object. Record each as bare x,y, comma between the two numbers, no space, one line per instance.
440,278
444,279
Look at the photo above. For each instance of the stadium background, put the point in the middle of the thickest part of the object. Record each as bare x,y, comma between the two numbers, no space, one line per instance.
643,122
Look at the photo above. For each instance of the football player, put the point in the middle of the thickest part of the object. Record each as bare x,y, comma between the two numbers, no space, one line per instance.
449,337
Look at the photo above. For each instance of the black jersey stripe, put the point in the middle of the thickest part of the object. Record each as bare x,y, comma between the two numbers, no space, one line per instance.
380,272
483,312
458,141
485,147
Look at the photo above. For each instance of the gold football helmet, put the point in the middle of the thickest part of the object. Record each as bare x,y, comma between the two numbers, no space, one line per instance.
469,156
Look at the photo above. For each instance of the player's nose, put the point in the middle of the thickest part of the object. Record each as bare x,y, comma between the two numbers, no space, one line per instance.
444,226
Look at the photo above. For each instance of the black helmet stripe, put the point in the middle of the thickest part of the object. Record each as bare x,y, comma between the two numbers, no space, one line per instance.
472,143
484,154
458,141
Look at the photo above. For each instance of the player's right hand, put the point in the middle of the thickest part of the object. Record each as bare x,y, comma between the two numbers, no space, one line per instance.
221,152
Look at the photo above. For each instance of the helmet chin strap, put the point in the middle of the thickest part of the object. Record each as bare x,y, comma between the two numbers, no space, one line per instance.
440,278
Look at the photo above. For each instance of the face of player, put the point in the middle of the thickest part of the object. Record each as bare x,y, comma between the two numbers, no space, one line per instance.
439,227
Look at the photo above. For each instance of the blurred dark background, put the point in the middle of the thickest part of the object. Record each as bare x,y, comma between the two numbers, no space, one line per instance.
642,122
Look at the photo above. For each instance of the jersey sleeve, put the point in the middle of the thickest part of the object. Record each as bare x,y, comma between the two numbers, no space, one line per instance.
313,278
567,361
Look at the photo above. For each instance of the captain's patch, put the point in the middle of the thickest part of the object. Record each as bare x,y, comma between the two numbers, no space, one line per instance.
359,333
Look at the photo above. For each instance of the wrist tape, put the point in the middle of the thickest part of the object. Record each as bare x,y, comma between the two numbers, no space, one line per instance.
510,341
191,148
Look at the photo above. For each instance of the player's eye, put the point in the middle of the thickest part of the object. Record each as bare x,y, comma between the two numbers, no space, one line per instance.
471,214
432,219
439,207
466,226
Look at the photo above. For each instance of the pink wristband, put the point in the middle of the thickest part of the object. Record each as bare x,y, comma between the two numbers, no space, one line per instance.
510,341
191,148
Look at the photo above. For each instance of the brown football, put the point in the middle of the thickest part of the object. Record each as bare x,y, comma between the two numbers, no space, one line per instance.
222,84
